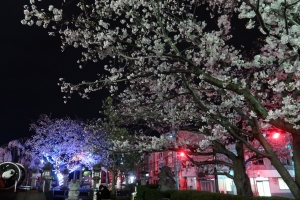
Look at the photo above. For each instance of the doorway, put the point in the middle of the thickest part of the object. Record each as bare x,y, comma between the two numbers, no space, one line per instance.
263,188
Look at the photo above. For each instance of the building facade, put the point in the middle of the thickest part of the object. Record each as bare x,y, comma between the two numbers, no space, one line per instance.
265,180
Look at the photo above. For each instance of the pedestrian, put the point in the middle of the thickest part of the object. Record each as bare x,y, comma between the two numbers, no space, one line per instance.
103,193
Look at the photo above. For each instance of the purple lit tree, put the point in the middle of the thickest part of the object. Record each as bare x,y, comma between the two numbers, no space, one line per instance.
62,143
183,69
15,151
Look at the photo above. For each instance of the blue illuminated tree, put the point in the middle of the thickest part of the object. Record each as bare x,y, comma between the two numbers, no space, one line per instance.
61,142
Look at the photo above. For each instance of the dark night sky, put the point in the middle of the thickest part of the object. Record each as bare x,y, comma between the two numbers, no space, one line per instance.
31,63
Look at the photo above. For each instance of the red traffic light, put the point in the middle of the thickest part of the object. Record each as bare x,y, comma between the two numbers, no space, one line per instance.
276,135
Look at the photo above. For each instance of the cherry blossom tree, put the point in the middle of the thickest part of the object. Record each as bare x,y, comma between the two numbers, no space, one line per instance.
121,146
217,157
15,151
222,156
179,67
61,142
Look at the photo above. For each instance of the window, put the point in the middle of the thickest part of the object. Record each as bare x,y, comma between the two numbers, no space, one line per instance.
263,188
258,162
286,161
282,184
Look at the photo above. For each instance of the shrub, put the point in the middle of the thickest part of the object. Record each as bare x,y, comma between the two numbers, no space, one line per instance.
141,190
192,195
196,195
153,194
119,198
168,193
271,198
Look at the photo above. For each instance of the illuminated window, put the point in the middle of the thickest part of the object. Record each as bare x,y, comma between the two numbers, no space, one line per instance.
282,184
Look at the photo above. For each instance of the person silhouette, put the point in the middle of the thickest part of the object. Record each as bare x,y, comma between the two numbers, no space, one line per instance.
103,193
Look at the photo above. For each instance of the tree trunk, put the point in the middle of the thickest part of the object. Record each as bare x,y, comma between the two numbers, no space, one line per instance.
240,177
285,175
126,180
296,157
113,183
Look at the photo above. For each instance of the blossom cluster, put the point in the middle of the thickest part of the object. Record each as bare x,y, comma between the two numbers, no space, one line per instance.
178,69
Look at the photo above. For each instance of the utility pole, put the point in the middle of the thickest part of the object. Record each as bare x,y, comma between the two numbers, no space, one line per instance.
174,137
215,173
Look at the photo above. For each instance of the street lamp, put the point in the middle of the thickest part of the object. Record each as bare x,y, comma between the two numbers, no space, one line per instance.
96,176
47,176
173,137
216,172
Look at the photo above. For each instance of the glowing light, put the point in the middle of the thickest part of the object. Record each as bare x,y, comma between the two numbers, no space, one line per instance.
60,178
276,135
181,154
131,179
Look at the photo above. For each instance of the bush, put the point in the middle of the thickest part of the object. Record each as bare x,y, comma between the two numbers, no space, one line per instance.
160,194
120,198
168,193
148,193
141,190
271,198
196,195
190,195
153,194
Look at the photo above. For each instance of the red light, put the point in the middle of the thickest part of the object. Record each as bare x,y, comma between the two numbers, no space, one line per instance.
181,154
276,135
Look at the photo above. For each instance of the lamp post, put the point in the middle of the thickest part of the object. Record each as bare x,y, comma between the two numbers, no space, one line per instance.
34,175
174,138
47,176
216,173
96,175
144,177
96,178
